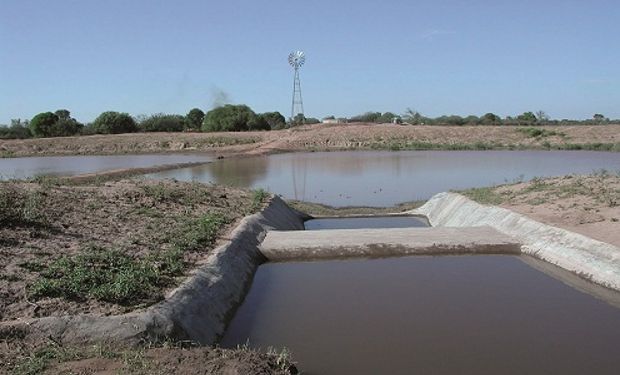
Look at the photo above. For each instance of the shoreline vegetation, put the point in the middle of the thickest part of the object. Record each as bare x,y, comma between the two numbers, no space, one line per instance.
328,137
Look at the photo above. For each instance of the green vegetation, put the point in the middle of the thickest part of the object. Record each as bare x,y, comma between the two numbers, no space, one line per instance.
58,124
484,195
162,122
539,132
105,275
133,360
259,196
17,130
228,118
194,119
20,208
114,123
112,275
274,119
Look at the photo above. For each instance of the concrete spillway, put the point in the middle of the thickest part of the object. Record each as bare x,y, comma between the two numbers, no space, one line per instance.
351,243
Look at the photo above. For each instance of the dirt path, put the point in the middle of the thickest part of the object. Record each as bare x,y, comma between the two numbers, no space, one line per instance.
324,138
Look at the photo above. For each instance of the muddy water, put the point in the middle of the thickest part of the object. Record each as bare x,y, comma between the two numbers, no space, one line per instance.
367,222
73,165
428,315
384,178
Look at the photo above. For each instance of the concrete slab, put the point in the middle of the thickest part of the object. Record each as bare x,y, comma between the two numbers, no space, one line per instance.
352,243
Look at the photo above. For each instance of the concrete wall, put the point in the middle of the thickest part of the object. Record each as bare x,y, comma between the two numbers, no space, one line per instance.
197,310
593,260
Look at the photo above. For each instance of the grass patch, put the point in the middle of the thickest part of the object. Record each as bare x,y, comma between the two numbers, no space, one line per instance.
259,196
20,208
484,195
103,274
192,235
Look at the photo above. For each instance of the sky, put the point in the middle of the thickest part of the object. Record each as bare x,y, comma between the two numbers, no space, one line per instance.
436,57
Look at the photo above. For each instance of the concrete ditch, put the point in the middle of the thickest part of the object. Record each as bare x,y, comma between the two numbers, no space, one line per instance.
590,259
197,310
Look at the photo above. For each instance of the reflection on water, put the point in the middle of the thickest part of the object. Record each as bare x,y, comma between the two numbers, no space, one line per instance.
367,222
427,315
384,178
72,165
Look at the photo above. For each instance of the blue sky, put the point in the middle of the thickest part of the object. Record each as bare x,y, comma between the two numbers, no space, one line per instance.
437,57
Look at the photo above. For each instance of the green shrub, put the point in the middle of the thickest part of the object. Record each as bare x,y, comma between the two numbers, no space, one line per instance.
194,119
111,122
16,131
41,124
163,123
275,120
228,118
58,124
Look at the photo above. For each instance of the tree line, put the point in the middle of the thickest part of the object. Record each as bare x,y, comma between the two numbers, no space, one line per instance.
242,118
225,118
413,117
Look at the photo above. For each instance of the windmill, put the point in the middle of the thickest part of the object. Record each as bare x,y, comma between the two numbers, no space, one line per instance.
296,59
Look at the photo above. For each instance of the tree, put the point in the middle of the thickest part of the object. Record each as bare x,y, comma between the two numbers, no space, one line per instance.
162,122
275,120
259,122
111,122
527,118
41,124
490,119
63,114
599,118
299,119
194,119
228,118
542,116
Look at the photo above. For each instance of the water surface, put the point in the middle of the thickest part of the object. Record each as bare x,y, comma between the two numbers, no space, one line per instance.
385,178
427,315
73,165
366,222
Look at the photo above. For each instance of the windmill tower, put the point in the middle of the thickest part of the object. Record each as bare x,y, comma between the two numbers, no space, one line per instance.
296,60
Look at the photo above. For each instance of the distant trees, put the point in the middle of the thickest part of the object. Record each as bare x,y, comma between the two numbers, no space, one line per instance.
162,122
194,119
17,130
375,117
57,124
111,122
275,120
231,118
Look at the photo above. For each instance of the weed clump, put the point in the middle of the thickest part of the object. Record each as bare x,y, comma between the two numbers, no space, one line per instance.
258,198
19,207
103,274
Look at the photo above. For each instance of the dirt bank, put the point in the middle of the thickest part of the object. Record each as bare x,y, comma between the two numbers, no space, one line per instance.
327,137
106,248
588,205
161,359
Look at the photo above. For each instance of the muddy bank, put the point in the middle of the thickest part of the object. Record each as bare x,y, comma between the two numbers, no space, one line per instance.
325,138
592,260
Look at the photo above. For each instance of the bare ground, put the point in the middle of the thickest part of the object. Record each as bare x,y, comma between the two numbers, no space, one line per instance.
152,230
322,138
589,204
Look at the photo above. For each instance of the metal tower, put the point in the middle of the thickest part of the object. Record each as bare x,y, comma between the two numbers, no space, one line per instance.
296,60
